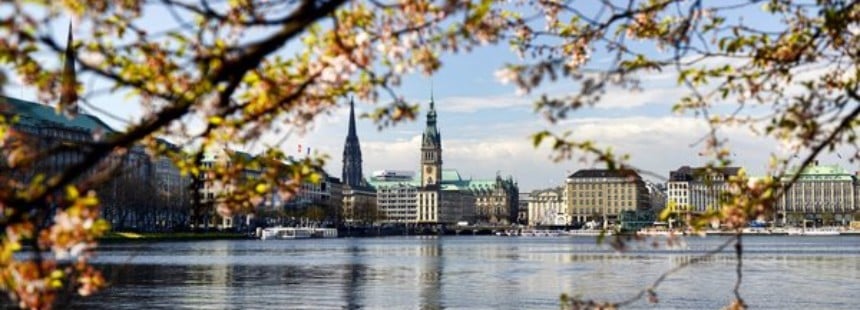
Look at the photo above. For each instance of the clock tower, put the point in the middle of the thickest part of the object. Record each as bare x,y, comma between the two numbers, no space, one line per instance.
431,151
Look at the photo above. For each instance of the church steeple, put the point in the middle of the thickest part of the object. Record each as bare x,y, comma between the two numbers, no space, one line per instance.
352,174
68,85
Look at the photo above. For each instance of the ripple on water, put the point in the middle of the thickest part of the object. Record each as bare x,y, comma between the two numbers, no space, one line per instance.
469,273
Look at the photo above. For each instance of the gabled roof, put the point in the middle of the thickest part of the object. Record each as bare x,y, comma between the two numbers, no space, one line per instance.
39,115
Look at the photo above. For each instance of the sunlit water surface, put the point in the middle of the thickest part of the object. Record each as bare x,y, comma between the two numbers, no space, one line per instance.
482,272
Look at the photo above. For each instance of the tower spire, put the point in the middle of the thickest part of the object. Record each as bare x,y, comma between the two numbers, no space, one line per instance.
431,93
351,118
431,148
68,85
352,174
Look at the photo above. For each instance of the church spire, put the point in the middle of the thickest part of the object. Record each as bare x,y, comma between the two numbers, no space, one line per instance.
352,175
68,85
351,132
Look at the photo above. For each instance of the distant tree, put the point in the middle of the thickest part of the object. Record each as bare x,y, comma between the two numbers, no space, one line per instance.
827,218
795,218
225,65
315,213
366,213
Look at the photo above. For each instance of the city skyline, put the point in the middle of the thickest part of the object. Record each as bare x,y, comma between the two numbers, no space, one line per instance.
479,112
504,137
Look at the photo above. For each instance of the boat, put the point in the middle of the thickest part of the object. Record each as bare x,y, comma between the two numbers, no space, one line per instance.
755,231
657,232
297,233
587,232
813,232
540,233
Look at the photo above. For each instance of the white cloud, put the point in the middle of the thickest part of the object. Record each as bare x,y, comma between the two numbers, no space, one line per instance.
473,104
393,155
615,98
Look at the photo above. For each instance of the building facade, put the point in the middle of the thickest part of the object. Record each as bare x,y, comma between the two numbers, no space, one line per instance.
439,202
142,194
523,208
697,190
600,195
359,198
397,201
496,200
822,194
173,191
215,190
548,207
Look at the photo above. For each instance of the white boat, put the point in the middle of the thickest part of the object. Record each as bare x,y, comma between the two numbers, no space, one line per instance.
657,232
813,232
587,232
297,233
539,233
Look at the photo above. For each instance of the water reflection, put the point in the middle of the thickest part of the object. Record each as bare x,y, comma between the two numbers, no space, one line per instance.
430,271
466,272
356,271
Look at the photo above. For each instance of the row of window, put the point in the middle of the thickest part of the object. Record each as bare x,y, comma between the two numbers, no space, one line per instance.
622,203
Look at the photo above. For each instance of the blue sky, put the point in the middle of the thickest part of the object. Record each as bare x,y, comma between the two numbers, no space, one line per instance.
485,126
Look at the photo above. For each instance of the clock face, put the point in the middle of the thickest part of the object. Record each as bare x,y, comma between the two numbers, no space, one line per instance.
429,169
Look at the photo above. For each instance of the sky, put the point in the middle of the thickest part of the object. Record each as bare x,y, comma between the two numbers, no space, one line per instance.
486,126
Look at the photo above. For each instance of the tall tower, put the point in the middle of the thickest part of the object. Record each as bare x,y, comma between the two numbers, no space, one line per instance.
431,150
352,175
68,86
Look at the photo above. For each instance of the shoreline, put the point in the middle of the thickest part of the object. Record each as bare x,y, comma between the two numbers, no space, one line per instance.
132,237
129,237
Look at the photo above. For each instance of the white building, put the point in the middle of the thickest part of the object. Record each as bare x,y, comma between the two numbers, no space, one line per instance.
823,194
697,190
397,200
215,189
548,207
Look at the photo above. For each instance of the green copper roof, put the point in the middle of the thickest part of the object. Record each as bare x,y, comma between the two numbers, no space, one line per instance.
35,114
823,173
450,175
451,181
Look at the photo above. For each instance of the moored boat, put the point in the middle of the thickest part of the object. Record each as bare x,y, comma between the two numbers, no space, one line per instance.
813,232
587,232
297,233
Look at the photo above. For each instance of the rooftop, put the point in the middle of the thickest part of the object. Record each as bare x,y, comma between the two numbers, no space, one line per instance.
605,173
823,172
451,180
40,115
687,173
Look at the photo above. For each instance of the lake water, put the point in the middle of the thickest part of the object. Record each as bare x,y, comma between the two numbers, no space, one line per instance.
480,272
